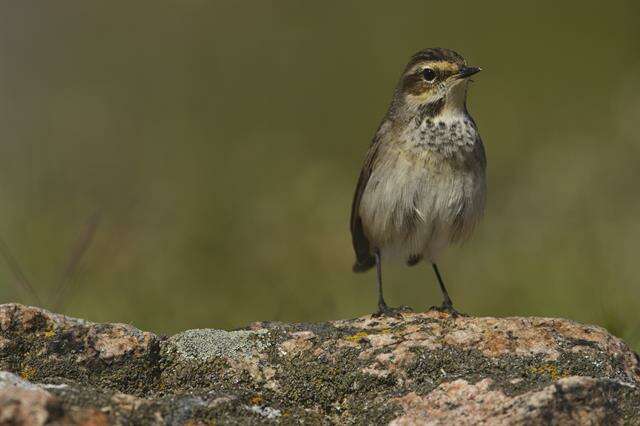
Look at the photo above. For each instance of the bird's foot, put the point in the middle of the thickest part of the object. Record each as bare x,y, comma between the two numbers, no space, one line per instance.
386,311
448,308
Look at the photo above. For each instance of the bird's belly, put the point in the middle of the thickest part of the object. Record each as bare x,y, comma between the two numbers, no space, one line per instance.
420,205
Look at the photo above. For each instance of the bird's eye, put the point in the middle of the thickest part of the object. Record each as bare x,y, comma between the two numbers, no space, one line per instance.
428,74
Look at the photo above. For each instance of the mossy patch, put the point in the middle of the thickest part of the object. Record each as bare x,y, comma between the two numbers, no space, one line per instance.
38,356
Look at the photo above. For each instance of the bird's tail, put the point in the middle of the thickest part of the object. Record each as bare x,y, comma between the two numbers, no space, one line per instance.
364,264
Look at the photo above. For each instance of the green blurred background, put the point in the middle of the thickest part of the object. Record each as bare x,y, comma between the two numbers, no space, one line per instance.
191,163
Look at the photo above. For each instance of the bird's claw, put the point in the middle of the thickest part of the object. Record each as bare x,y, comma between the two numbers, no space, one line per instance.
386,311
449,309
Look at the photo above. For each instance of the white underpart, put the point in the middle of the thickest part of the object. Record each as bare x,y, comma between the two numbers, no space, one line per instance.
426,179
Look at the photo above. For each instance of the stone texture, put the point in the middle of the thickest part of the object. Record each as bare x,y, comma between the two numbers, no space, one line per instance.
423,368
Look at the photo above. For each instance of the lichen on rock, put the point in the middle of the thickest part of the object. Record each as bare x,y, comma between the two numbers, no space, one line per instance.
205,344
424,368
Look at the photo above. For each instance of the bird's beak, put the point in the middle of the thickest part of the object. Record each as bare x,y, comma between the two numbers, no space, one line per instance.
468,71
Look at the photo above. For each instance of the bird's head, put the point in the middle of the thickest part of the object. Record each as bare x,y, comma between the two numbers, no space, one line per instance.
435,80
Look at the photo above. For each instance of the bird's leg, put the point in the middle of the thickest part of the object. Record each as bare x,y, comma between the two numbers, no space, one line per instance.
447,304
382,305
383,308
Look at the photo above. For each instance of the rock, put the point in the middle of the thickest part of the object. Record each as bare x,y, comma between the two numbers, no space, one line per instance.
423,368
22,402
204,345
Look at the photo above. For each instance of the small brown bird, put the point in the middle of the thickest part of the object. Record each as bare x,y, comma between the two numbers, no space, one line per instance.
422,185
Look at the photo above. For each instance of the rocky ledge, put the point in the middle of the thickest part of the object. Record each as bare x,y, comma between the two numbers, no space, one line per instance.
423,368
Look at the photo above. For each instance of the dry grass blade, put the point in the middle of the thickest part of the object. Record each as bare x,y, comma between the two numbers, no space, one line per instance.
80,247
17,271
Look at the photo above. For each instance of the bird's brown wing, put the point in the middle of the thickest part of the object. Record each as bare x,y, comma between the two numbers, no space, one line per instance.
361,246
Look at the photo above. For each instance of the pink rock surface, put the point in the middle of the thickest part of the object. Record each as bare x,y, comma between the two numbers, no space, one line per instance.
423,368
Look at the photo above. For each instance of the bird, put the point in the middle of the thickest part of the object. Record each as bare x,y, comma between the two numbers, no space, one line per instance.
422,186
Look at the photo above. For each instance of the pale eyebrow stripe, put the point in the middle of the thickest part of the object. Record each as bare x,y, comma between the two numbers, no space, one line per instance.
447,70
